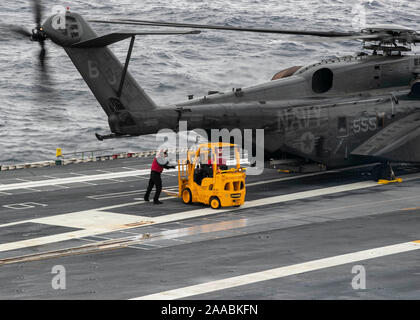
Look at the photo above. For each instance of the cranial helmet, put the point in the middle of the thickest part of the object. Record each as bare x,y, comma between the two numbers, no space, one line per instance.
163,152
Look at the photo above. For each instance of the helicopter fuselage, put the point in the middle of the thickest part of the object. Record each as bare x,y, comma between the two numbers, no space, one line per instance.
322,112
327,112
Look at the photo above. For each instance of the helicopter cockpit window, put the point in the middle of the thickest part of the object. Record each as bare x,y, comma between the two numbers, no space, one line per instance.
322,80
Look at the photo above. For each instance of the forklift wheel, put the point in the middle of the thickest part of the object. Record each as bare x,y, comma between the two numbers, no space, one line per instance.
186,196
215,202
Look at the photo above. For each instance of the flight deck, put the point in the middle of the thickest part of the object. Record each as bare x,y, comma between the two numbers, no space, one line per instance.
298,236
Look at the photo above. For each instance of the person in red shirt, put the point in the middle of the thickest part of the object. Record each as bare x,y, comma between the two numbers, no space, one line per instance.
221,162
159,163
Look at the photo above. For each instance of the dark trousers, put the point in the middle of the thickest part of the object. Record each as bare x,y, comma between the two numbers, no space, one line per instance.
155,180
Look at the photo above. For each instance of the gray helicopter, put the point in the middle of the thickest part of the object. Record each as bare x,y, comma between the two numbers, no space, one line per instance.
337,112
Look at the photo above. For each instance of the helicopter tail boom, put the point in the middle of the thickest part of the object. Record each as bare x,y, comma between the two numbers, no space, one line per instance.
108,79
121,97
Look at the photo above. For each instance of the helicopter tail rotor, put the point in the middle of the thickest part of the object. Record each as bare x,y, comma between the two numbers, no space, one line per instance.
38,34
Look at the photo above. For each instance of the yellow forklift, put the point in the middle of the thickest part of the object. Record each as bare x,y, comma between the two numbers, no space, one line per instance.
212,175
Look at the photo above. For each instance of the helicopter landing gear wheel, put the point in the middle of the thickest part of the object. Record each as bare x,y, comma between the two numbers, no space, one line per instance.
215,202
383,171
187,196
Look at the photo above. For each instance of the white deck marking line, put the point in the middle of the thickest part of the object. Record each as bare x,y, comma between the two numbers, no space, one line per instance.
109,171
128,168
50,182
115,180
87,183
127,194
138,248
123,194
180,240
32,189
83,175
57,187
149,244
86,175
281,272
127,232
141,177
128,204
115,194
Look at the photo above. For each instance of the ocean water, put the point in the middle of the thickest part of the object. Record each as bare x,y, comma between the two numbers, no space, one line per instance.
35,120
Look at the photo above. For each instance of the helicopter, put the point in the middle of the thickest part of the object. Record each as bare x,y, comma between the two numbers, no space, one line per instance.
338,112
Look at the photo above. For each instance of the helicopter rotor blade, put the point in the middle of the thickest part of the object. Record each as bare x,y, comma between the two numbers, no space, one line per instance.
45,83
16,31
362,37
44,87
42,57
38,10
327,34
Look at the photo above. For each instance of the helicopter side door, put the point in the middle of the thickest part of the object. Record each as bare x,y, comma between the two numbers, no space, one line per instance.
340,126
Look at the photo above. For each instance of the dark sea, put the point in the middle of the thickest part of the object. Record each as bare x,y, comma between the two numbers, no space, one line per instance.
35,120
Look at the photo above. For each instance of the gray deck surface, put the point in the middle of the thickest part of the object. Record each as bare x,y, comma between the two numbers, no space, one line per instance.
183,251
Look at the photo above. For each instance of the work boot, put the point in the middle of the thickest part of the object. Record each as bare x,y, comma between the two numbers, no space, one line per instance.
146,198
157,202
